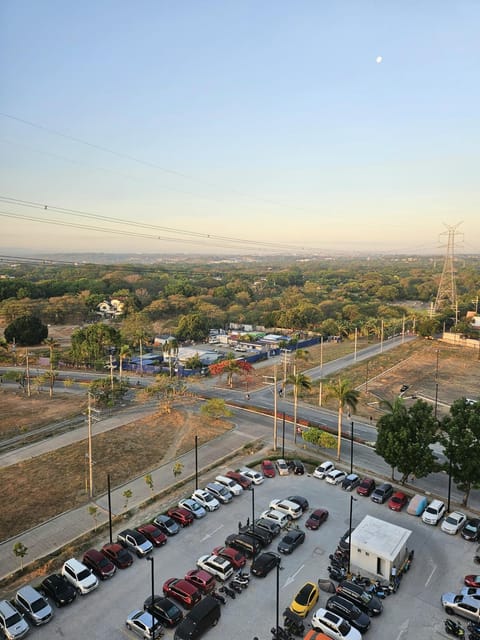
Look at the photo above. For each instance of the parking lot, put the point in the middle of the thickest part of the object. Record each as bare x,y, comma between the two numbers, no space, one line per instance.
439,565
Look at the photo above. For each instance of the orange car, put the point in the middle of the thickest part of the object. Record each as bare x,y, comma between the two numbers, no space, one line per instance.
316,635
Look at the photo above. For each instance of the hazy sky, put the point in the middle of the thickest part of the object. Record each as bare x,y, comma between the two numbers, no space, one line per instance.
269,121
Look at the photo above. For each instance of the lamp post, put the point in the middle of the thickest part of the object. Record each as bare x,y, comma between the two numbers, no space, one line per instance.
351,448
278,598
352,500
196,463
283,436
436,385
151,559
449,482
109,509
253,516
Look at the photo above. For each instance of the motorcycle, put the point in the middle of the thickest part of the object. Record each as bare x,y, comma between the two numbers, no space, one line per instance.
474,630
454,628
230,592
337,573
218,596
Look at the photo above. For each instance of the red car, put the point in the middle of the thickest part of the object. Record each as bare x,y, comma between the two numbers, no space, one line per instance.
316,518
244,482
182,591
201,579
268,469
397,501
366,486
236,558
120,557
181,515
153,533
472,581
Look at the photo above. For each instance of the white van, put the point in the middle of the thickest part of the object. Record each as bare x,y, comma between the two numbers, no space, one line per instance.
230,484
434,512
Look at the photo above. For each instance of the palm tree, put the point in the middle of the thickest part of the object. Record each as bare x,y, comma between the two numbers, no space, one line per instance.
300,382
125,352
51,344
346,396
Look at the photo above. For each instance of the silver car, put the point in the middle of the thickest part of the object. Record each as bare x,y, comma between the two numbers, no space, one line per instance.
193,506
34,605
461,605
12,623
144,624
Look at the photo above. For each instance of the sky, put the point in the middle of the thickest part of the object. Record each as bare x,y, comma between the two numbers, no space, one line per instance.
246,126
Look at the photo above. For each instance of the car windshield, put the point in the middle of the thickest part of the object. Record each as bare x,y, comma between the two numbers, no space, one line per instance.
38,604
289,539
344,628
303,596
470,527
315,516
366,597
171,610
15,618
452,520
168,522
396,499
208,498
83,575
103,562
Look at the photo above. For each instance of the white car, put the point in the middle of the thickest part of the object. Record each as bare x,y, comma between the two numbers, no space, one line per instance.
79,576
453,522
255,476
291,509
275,516
216,565
322,470
334,626
195,508
282,467
208,502
230,484
336,476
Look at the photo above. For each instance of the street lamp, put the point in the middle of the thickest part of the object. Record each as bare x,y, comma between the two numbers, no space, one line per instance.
278,598
351,448
196,463
283,436
152,560
352,500
436,385
253,516
109,509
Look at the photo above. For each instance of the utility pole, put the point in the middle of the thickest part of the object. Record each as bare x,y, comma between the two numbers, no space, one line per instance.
320,389
275,408
355,347
381,338
27,363
90,417
447,289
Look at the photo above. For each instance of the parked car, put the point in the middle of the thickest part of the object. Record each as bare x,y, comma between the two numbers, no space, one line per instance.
34,605
79,576
349,611
167,524
97,562
434,512
335,626
365,601
236,558
120,557
12,623
263,536
417,505
264,563
292,510
316,518
246,544
206,499
351,482
251,474
182,591
218,566
316,635
453,522
397,501
268,469
305,599
219,491
193,506
273,528
59,589
153,533
471,530
201,618
242,480
164,610
135,541
182,516
382,493
460,605
324,468
232,485
297,467
291,541
143,624
203,580
344,541
366,486
301,501
473,592
275,516
472,580
282,467
336,476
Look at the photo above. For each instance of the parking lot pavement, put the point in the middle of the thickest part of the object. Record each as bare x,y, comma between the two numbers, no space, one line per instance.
439,565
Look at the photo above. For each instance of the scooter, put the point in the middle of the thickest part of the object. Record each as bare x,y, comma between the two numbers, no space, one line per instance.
279,633
230,592
218,596
337,573
239,582
454,628
474,630
235,586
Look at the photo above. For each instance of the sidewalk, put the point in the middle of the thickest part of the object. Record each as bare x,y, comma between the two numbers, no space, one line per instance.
51,536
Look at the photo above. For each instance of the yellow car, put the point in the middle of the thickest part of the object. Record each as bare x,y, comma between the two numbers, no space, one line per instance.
305,599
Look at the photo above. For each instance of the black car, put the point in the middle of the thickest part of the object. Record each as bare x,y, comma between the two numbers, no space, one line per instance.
382,493
297,467
344,542
167,524
264,563
164,610
351,482
291,541
471,529
272,527
300,500
262,535
348,611
58,589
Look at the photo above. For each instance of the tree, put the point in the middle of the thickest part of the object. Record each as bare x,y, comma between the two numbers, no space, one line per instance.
106,394
346,396
125,352
215,408
194,362
149,481
404,439
461,439
230,366
300,383
52,344
93,511
127,494
170,347
321,438
177,469
137,331
20,551
26,331
193,326
91,344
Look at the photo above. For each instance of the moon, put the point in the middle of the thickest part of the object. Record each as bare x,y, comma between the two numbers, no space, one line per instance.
378,59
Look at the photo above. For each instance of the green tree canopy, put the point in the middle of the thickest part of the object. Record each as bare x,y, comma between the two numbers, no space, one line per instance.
461,439
215,408
91,344
193,326
26,331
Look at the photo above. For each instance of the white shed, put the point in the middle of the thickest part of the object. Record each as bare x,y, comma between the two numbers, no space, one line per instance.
378,546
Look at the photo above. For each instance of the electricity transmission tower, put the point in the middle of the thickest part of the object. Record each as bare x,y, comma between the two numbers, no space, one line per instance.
447,289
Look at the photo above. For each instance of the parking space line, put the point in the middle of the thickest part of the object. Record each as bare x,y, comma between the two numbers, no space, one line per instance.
209,535
430,576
